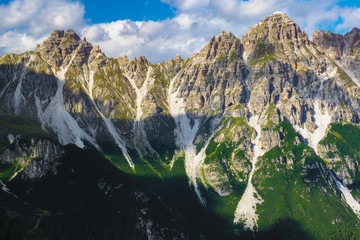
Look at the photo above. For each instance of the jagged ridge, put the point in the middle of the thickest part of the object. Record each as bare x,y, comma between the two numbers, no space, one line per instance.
198,108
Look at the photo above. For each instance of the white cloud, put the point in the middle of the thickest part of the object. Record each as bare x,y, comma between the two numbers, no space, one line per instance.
351,17
252,9
26,22
188,5
15,42
156,40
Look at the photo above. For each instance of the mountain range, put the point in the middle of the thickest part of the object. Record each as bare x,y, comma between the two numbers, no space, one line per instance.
251,138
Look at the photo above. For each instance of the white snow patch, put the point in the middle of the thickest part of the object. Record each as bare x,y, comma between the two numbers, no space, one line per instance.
245,57
355,206
56,117
18,96
246,208
322,121
184,137
278,12
140,93
140,137
11,138
349,73
329,73
5,189
39,111
109,125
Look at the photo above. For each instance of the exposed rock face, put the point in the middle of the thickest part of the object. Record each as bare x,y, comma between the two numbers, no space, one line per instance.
344,48
213,79
345,167
279,31
270,139
330,42
34,158
153,112
270,66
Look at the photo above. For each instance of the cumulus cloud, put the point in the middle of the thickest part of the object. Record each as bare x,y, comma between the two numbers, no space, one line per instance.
194,23
156,40
15,42
351,17
27,22
197,20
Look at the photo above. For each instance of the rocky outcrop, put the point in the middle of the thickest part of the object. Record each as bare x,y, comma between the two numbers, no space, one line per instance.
34,158
276,32
139,109
213,79
330,42
345,167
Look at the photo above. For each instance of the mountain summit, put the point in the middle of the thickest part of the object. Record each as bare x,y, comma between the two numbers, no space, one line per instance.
277,29
259,133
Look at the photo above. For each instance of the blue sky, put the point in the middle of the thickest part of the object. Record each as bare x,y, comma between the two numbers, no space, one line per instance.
136,10
159,29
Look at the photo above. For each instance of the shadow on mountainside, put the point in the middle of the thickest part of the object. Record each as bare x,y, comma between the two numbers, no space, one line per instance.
69,200
90,199
87,199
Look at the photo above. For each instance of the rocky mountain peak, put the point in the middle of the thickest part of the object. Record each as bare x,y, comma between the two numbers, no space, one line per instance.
56,34
143,59
336,45
352,38
278,32
277,22
353,34
274,111
59,47
71,34
178,58
135,69
96,58
221,46
278,16
330,42
59,37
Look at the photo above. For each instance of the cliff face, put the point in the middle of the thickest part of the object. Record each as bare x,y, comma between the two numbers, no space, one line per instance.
34,158
240,114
